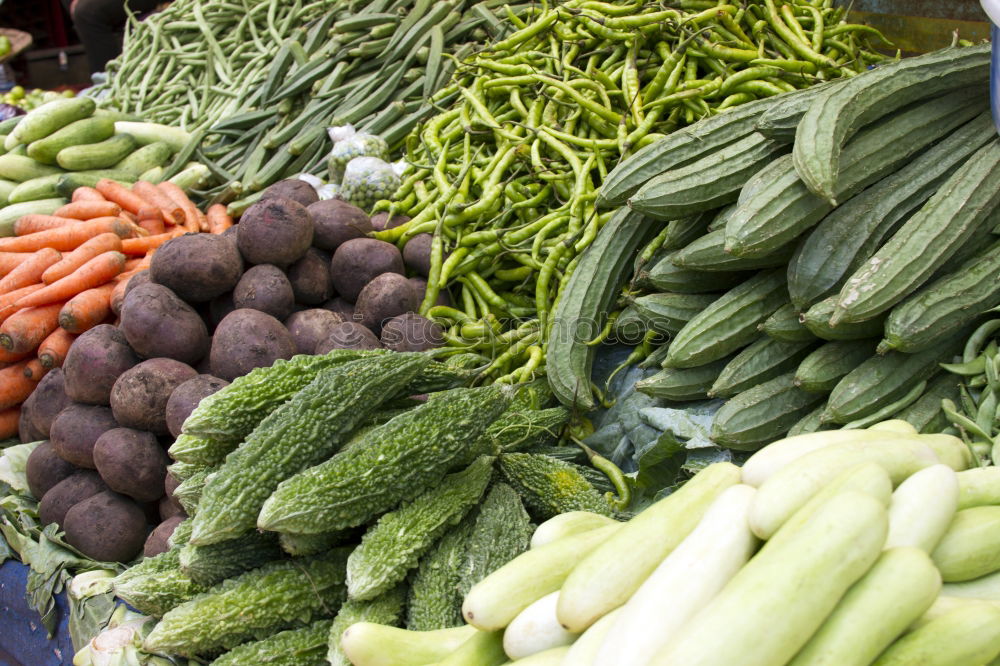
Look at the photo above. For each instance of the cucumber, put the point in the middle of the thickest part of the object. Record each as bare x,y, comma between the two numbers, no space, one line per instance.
588,294
926,241
88,130
567,524
146,158
665,275
897,590
894,425
940,308
841,110
782,210
852,233
74,179
485,648
536,629
147,133
493,602
606,578
370,644
761,414
48,118
788,489
767,461
678,149
668,313
822,370
986,587
950,450
10,214
825,557
551,657
154,175
810,423
43,187
971,546
20,168
967,635
708,253
922,507
99,155
7,125
584,650
684,583
882,380
978,487
682,384
193,176
762,361
6,187
710,182
817,320
729,323
785,325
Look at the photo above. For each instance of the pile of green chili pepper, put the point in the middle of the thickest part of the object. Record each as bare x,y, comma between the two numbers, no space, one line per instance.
977,412
506,176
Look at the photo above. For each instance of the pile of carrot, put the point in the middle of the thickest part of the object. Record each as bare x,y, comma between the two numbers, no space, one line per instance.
64,273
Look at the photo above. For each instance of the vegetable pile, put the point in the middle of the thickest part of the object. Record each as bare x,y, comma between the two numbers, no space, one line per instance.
874,546
778,301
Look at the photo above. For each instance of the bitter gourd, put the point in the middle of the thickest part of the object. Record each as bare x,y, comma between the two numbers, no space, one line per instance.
434,600
549,486
199,450
387,608
396,542
189,491
292,647
521,429
180,535
280,595
300,545
396,461
156,585
502,531
302,432
211,564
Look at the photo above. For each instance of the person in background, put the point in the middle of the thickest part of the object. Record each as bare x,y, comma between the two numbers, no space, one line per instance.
101,26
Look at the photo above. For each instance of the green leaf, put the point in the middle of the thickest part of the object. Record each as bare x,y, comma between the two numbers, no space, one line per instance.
13,466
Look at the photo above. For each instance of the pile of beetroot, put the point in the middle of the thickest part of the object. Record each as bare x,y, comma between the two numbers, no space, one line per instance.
295,276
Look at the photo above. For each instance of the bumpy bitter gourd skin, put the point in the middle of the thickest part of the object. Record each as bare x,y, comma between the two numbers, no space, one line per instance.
292,647
396,542
434,601
211,564
281,595
549,486
519,429
302,432
387,608
396,461
157,584
502,531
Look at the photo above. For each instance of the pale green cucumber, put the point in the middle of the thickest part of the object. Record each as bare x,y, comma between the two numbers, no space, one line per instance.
567,524
968,635
553,657
826,556
901,585
978,487
922,507
608,576
493,602
584,649
536,629
12,213
971,546
370,644
485,648
986,587
47,118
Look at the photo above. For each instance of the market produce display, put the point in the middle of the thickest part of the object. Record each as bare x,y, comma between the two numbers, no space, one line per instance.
871,544
474,334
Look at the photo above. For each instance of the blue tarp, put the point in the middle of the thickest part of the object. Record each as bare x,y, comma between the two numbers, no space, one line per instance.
23,640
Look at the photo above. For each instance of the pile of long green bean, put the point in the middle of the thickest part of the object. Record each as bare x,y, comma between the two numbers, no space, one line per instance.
977,413
506,178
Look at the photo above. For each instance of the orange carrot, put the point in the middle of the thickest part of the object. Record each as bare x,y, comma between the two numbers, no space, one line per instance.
87,194
87,309
93,273
133,246
88,210
11,260
29,224
15,387
6,357
151,219
71,261
10,422
35,369
191,212
171,211
218,219
67,238
30,271
7,300
121,195
52,351
25,329
131,217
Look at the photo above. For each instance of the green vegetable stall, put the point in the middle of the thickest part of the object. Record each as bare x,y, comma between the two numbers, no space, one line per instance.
534,334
